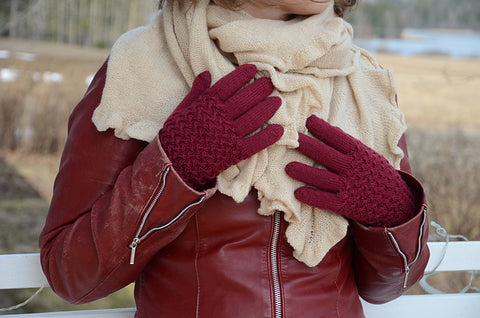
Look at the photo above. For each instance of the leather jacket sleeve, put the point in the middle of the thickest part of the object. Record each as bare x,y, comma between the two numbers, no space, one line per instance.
110,195
388,261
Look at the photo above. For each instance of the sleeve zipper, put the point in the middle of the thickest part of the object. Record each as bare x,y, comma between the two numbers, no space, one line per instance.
402,254
133,246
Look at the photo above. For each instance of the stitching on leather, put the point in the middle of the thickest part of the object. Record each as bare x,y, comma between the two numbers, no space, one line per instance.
197,275
339,261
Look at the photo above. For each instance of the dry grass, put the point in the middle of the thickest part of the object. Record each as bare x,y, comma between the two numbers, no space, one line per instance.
30,164
440,98
437,92
34,113
38,169
447,162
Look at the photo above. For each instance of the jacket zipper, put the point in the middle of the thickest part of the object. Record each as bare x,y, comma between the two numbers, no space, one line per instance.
274,265
404,258
133,246
402,254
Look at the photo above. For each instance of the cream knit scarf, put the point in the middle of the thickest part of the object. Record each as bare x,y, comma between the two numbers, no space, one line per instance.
314,68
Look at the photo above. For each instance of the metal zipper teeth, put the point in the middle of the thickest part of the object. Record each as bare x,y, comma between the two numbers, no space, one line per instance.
420,236
404,257
137,239
402,254
274,268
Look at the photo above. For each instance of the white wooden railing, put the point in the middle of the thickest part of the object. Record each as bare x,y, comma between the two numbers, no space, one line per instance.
23,271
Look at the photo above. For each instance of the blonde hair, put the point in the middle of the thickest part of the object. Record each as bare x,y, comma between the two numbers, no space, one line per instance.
341,6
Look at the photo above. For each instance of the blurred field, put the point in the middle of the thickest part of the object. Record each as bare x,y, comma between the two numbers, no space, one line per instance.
439,96
38,94
34,110
436,91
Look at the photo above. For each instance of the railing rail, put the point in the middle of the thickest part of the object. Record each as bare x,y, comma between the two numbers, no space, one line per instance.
23,271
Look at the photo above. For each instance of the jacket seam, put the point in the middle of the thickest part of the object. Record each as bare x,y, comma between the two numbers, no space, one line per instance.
337,305
197,274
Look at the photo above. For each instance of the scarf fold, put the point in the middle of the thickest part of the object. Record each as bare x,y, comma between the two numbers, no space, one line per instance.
315,70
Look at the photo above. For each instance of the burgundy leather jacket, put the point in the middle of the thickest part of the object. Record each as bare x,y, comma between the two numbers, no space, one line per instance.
121,214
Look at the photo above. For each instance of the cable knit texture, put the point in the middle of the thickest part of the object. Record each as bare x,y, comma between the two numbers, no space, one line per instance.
314,68
363,186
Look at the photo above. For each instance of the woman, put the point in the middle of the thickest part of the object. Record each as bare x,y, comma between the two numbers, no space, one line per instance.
238,159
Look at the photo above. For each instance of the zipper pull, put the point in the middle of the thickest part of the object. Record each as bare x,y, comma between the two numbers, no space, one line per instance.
133,246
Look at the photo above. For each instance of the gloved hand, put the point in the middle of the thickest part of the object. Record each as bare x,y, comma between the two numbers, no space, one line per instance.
210,129
359,184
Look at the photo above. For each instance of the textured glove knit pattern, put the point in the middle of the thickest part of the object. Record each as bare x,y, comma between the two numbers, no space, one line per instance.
315,70
214,147
361,194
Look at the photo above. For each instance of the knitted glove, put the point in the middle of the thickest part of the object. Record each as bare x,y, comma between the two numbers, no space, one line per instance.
359,183
210,129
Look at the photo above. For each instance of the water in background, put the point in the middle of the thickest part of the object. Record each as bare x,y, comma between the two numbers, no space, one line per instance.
457,44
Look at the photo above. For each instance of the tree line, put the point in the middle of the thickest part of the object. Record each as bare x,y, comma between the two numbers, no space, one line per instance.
100,22
82,22
387,18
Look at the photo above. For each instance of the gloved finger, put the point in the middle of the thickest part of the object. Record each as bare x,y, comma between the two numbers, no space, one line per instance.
257,116
330,135
318,199
225,87
199,85
319,178
248,97
323,154
261,140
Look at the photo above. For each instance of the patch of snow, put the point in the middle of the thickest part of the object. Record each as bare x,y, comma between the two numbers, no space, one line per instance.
29,57
8,75
52,77
4,54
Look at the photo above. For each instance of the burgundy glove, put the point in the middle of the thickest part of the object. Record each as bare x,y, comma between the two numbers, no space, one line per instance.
359,183
210,130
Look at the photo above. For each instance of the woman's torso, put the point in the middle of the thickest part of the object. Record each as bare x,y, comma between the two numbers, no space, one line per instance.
232,262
